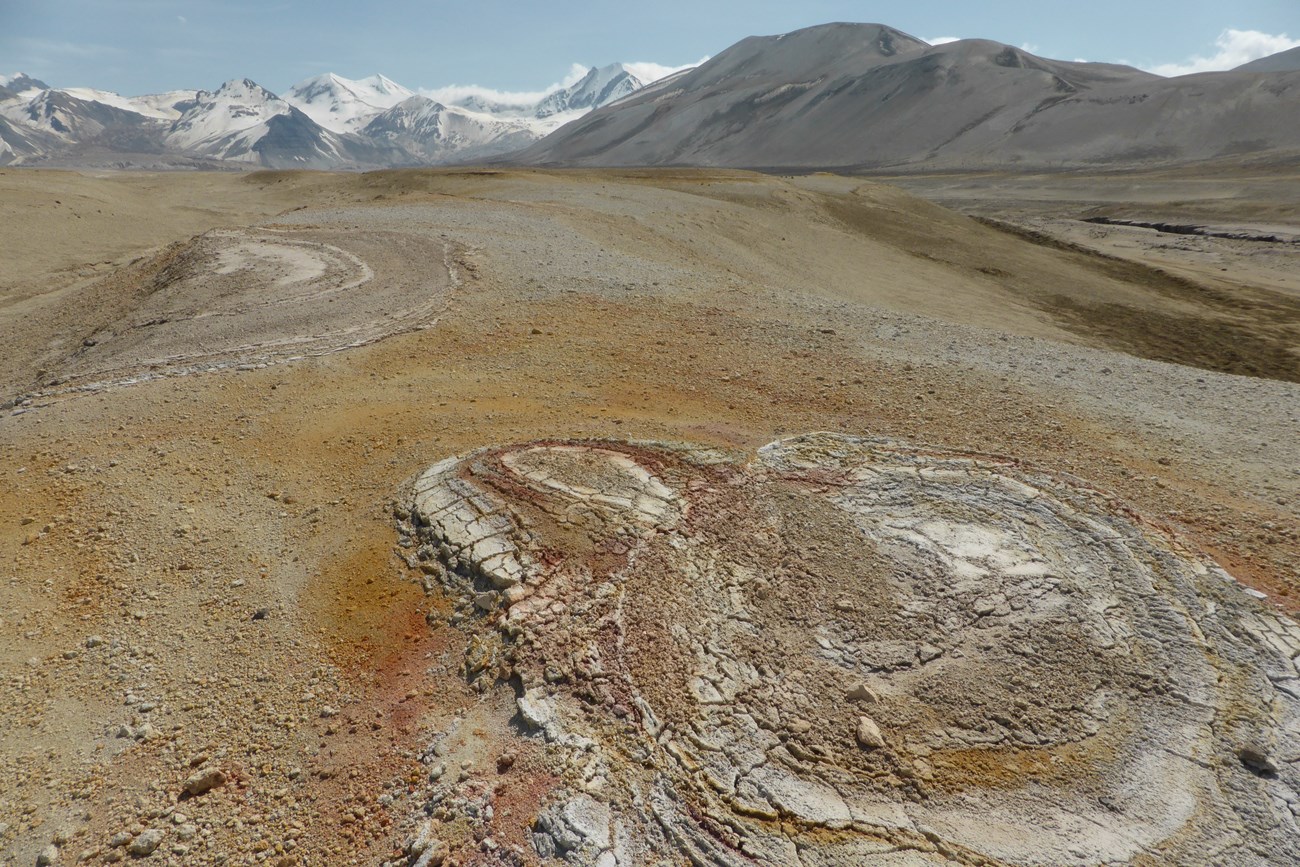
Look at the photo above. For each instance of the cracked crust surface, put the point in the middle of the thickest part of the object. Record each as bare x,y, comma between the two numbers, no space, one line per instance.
845,649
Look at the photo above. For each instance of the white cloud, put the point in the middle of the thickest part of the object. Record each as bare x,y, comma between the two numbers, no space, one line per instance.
645,70
5,79
649,72
456,92
1029,47
1233,48
943,40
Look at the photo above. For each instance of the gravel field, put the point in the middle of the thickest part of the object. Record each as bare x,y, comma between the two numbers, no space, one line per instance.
228,637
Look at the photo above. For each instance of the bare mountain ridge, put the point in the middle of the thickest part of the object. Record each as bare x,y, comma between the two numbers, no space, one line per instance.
869,96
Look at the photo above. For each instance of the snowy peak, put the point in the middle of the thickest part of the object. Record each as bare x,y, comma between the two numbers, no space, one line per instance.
238,105
343,105
600,86
384,85
408,115
20,84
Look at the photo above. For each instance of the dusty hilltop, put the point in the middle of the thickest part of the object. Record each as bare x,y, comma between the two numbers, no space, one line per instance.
649,517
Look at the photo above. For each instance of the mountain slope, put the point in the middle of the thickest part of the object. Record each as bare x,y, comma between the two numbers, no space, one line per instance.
19,143
72,118
868,96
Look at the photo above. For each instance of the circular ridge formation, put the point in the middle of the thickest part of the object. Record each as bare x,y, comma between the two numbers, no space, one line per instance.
853,650
228,297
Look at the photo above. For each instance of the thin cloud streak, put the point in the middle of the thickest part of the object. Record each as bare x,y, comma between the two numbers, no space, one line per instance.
646,71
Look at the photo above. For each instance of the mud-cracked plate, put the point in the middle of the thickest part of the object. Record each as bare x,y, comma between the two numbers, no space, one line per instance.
844,650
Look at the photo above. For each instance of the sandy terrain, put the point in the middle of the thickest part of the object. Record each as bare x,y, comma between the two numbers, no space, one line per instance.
229,634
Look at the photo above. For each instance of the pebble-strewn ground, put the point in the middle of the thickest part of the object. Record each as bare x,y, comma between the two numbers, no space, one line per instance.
215,650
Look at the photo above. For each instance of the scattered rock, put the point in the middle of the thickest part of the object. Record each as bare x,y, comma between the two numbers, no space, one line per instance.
425,849
868,734
204,781
146,843
48,856
862,692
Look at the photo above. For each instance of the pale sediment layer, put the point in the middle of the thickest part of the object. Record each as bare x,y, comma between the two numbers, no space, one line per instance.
253,297
847,650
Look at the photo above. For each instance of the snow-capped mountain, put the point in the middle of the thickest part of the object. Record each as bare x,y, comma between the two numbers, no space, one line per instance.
160,106
599,87
342,105
20,85
244,122
238,107
67,117
323,122
430,131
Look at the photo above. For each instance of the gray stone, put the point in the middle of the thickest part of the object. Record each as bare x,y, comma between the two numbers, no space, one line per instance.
204,781
146,843
862,692
868,734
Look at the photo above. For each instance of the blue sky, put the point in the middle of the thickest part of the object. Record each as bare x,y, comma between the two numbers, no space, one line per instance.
144,46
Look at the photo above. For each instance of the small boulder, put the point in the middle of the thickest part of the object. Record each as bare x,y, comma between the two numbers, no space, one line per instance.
204,781
862,692
868,734
146,843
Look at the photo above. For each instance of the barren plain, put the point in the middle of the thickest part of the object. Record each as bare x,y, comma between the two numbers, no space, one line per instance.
638,517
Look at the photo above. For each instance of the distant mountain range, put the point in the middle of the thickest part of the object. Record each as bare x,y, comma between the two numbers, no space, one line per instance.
323,122
866,96
836,96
